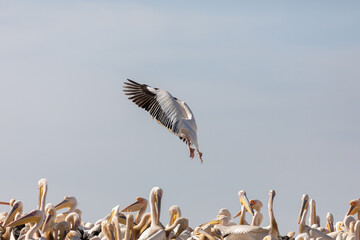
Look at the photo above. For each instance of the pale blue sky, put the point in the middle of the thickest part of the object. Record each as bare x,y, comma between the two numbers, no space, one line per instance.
274,87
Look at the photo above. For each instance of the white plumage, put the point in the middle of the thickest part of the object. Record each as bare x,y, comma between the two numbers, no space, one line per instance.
169,111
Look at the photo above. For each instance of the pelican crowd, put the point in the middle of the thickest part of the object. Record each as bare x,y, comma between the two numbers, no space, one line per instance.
46,222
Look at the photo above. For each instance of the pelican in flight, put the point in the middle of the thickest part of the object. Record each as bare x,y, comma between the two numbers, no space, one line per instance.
172,113
156,230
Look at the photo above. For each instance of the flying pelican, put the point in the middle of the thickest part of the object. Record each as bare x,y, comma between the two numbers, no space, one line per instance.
35,216
245,205
303,228
169,111
156,231
140,205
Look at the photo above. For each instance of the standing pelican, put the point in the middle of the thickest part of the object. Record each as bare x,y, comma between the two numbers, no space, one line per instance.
155,231
35,216
169,111
42,186
258,216
312,214
174,212
15,212
354,208
244,232
226,212
330,222
49,223
356,234
181,223
140,205
303,228
68,202
245,205
273,227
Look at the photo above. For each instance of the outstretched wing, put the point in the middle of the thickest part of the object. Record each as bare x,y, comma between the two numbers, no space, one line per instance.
159,103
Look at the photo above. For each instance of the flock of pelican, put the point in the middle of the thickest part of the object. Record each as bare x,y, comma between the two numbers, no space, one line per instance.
46,222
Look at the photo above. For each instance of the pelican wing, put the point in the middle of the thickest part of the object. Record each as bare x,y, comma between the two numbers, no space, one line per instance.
159,103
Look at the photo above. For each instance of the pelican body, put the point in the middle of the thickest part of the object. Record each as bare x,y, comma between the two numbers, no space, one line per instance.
172,113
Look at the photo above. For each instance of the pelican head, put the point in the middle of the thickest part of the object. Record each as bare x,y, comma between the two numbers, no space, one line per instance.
354,207
245,201
42,186
50,218
256,204
121,218
272,193
304,205
330,222
158,192
68,202
17,207
226,212
174,212
136,206
33,216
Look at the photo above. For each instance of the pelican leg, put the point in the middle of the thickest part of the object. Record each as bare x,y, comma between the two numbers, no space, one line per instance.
191,150
200,155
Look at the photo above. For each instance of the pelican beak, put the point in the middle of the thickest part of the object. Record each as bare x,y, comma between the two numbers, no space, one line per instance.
30,217
41,192
14,210
354,207
48,224
63,204
238,214
303,207
173,217
158,202
245,201
121,219
145,226
330,225
134,207
5,203
112,214
211,222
